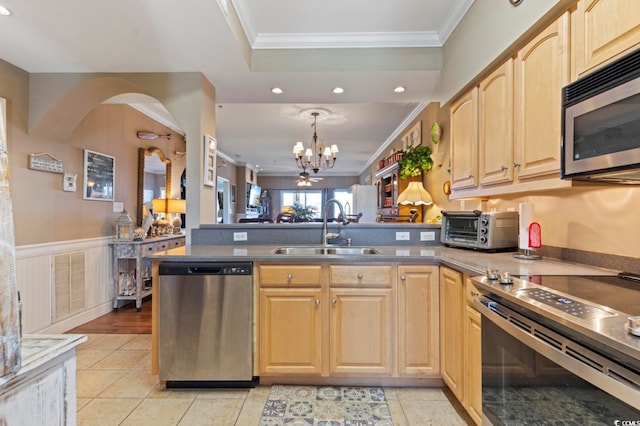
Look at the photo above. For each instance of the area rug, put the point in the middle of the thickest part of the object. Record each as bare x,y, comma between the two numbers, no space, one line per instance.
325,406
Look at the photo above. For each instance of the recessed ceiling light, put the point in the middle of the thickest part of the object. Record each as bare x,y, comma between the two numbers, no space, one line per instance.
399,89
4,11
338,90
277,91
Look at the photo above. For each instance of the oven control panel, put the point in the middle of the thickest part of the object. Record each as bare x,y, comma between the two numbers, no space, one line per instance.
564,303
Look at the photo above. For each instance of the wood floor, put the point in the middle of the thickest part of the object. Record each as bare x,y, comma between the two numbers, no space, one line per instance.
127,320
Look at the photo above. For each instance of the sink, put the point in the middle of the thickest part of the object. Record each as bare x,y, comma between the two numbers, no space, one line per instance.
315,251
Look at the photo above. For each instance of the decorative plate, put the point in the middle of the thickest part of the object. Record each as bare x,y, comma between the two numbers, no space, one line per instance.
436,133
446,188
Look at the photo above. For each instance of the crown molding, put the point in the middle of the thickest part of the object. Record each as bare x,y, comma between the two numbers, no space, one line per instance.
346,40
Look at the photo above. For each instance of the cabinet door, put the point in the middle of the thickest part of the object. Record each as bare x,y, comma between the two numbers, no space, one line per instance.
473,364
290,331
360,331
464,141
604,30
451,332
418,314
495,126
541,70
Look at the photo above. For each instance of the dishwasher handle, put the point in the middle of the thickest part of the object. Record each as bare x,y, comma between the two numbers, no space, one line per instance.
205,268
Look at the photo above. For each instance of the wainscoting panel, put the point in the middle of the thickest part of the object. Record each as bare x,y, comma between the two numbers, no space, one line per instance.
35,271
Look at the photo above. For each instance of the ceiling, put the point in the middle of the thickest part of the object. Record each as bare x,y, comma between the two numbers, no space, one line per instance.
247,47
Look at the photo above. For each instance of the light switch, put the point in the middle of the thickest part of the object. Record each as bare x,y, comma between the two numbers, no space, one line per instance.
239,236
403,236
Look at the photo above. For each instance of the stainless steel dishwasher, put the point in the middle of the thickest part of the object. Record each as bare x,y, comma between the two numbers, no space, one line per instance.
205,324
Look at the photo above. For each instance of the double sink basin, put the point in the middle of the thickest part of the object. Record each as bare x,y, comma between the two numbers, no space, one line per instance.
323,251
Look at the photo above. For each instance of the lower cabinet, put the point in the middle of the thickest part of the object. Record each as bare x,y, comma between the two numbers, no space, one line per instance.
364,320
461,342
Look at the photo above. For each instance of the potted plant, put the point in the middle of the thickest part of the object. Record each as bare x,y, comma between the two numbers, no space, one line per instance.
416,159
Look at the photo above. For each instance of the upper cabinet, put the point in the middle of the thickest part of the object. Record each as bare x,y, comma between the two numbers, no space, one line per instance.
541,71
464,141
603,30
506,131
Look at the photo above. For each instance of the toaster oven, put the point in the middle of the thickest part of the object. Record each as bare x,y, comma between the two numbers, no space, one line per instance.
479,230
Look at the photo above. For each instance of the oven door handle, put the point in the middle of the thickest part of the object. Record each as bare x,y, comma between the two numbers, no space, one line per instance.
592,366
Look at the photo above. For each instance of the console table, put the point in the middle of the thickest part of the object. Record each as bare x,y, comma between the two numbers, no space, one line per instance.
130,263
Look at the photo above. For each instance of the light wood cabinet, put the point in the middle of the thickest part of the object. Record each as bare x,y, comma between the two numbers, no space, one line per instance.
495,126
360,331
603,30
472,360
451,308
464,141
541,70
418,320
290,331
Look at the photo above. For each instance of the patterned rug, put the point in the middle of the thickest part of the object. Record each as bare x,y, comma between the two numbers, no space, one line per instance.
326,406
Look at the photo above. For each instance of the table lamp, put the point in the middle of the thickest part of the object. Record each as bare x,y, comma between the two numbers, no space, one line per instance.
415,195
177,207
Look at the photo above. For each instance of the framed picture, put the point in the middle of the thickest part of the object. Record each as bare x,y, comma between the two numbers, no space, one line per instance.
413,137
233,193
99,176
209,170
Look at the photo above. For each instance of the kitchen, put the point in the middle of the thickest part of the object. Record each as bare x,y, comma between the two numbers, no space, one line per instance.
602,233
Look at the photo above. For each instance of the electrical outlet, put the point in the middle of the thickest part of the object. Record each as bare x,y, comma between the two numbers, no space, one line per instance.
239,236
118,206
427,236
403,236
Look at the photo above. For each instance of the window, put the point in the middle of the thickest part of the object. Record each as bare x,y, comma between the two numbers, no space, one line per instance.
344,196
306,199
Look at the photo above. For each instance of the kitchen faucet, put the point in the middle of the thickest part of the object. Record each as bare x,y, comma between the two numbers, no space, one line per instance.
326,236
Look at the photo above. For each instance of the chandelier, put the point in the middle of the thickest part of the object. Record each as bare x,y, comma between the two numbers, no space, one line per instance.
317,156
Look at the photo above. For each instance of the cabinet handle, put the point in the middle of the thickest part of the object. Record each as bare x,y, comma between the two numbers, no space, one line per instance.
403,278
290,277
360,276
470,176
334,301
317,302
475,293
516,164
504,168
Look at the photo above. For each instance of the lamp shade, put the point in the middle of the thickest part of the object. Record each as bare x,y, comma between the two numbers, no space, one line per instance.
159,205
415,194
176,206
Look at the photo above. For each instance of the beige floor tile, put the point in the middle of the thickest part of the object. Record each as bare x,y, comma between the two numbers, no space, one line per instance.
121,360
209,411
223,393
110,341
160,392
131,385
397,414
158,412
90,383
422,413
391,394
81,402
144,364
139,342
251,411
259,392
421,394
86,358
107,412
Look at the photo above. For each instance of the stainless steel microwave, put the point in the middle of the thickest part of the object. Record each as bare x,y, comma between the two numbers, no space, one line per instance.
601,124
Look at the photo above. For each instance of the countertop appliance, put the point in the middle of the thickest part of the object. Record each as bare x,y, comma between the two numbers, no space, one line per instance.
205,324
479,230
601,123
557,349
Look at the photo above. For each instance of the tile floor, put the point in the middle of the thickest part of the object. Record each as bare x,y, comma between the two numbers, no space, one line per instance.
115,387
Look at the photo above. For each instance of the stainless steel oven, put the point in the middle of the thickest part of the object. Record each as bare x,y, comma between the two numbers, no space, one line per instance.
552,355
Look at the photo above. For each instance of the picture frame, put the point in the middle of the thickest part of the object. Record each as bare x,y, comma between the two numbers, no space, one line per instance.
209,167
413,136
99,176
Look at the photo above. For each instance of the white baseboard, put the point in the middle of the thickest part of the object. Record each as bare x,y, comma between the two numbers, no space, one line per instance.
77,320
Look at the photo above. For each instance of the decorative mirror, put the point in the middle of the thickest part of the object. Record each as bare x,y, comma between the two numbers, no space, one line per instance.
154,177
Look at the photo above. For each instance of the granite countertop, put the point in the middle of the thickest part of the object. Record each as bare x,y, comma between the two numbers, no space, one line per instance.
468,261
38,349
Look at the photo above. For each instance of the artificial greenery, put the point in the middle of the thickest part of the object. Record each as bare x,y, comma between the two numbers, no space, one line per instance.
301,213
416,159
